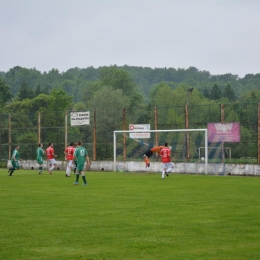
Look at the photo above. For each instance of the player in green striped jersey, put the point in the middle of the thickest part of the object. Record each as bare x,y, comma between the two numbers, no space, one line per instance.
15,160
39,154
81,155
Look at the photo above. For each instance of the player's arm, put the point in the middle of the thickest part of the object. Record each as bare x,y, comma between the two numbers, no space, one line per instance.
170,156
74,156
88,161
55,155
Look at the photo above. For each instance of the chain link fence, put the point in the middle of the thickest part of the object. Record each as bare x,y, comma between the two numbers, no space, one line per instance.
27,130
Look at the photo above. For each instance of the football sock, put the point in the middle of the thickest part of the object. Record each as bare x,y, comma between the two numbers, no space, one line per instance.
163,175
84,179
11,172
77,177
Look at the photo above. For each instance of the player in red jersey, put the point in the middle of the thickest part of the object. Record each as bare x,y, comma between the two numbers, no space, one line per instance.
166,160
69,151
50,156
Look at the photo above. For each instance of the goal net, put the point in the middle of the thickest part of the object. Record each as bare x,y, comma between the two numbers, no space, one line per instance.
183,142
215,152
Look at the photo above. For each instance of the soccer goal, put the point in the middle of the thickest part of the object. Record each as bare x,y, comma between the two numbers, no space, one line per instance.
214,152
183,142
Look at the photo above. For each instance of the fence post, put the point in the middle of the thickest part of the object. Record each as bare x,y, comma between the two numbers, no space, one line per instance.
258,135
9,136
94,137
222,143
187,133
156,125
66,129
39,127
124,139
0,139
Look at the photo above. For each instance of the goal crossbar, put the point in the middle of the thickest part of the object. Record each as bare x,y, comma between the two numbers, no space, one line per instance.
161,131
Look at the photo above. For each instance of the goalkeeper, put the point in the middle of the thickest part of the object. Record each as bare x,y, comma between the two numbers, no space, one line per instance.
149,153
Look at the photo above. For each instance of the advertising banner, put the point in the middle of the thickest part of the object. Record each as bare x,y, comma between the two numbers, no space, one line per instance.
139,128
224,132
79,118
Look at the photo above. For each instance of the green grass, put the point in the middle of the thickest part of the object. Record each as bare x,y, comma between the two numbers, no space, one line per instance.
129,216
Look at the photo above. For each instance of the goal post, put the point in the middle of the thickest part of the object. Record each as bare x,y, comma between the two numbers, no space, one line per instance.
205,131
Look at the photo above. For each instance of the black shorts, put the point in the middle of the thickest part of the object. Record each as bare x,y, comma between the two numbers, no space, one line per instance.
149,153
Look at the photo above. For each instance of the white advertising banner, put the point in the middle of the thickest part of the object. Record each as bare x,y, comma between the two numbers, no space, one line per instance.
140,135
79,118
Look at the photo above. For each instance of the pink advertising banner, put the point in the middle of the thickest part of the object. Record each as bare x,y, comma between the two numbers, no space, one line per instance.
224,132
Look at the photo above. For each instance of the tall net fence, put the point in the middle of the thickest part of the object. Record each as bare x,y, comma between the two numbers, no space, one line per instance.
28,129
129,149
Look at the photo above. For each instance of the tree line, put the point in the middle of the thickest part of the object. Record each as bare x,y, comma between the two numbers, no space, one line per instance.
110,89
20,83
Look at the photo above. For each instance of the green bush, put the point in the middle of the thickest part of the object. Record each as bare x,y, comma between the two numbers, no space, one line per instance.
3,164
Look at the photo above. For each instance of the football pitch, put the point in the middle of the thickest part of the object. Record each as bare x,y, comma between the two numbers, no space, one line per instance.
128,216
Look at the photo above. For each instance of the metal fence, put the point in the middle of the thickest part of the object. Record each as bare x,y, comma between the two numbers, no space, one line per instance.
28,129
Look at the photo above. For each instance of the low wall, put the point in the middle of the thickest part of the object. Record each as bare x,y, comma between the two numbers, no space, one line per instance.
191,168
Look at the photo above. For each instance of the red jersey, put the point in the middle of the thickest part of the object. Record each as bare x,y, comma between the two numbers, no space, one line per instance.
69,151
49,153
165,154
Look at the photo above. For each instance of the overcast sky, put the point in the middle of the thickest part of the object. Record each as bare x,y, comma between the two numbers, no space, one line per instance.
219,36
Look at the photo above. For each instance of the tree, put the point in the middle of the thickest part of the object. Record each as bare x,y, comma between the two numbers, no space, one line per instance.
118,79
89,89
80,106
250,96
206,93
61,100
25,92
5,93
69,86
38,90
216,92
229,93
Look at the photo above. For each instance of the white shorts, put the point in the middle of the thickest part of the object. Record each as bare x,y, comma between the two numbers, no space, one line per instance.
52,161
71,164
168,165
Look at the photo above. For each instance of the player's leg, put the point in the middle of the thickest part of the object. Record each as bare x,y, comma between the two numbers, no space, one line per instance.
40,169
69,167
40,162
79,169
83,178
75,167
11,170
49,166
53,164
52,167
169,168
163,170
147,162
77,179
